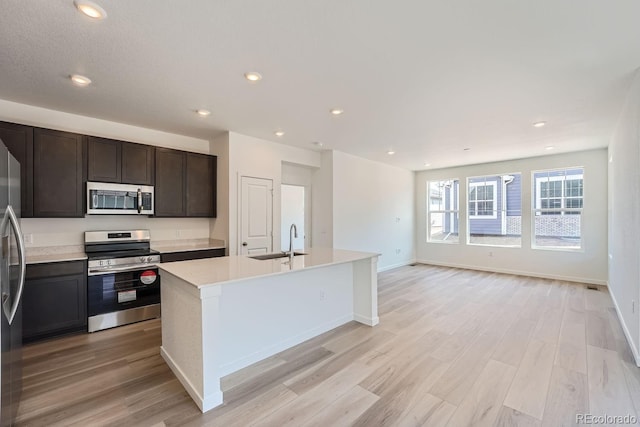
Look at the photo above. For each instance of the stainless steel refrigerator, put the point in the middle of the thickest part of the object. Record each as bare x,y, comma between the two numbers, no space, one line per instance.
12,272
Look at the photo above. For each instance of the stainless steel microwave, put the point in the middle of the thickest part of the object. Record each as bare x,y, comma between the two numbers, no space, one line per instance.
119,199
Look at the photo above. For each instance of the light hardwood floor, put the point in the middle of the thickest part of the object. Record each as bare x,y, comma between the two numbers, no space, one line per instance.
454,348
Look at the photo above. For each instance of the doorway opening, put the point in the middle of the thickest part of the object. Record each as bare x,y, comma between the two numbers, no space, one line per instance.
292,211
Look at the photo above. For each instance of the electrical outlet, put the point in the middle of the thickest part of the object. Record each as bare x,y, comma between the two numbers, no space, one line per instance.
397,219
322,295
398,251
28,238
490,253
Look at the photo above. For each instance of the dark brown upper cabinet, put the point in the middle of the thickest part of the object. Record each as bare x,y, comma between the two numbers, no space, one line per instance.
201,187
185,184
58,166
19,141
170,183
104,160
138,163
118,161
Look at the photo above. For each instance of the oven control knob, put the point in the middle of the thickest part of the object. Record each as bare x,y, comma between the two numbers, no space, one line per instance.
108,262
101,263
141,259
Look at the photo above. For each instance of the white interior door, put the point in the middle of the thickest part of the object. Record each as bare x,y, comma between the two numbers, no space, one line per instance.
292,212
256,215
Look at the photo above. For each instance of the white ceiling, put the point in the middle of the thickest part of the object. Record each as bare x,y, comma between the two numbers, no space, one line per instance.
425,78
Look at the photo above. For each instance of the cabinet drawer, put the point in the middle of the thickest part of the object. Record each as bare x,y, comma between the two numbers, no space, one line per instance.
190,255
65,268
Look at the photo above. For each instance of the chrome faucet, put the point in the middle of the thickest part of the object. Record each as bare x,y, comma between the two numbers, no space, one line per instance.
293,232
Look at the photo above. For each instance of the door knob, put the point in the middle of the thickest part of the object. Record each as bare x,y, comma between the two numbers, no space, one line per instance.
244,243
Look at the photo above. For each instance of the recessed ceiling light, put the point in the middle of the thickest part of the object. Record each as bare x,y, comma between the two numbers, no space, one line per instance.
279,133
90,9
252,76
336,111
318,143
549,147
391,152
79,80
427,164
539,124
466,149
203,113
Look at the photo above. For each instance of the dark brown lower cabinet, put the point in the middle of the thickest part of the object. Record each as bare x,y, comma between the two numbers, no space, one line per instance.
54,300
189,255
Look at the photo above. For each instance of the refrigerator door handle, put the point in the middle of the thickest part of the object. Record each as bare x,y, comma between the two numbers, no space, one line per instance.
13,220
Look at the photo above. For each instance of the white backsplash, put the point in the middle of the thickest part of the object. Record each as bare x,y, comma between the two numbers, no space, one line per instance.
40,232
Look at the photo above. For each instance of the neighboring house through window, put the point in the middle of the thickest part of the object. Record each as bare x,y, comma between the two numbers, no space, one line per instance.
442,208
494,208
558,198
483,200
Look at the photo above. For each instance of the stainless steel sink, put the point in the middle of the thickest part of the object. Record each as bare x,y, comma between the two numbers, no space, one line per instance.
275,255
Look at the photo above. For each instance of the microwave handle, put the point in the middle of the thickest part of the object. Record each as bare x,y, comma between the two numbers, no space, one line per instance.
139,200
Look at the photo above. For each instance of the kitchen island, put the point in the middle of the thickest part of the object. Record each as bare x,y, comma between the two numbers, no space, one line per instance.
222,314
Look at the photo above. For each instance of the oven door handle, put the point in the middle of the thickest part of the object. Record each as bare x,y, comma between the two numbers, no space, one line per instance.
102,270
139,200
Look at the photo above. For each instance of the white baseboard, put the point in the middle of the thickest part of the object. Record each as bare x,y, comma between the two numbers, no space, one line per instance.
630,339
517,272
269,351
370,321
204,403
400,264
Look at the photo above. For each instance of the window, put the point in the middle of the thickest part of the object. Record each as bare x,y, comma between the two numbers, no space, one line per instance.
442,211
495,213
482,200
558,201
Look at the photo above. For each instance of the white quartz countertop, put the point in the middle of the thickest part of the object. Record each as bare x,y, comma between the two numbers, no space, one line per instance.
168,246
216,271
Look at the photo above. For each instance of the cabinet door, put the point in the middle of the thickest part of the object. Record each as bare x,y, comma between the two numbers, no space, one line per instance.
54,305
104,160
170,183
19,141
137,164
201,185
58,174
191,255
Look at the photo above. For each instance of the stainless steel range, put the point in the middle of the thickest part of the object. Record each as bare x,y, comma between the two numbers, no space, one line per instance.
123,281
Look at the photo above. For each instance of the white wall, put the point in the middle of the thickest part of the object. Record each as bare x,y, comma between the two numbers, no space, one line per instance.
624,216
219,226
588,265
51,119
373,209
69,231
249,156
322,203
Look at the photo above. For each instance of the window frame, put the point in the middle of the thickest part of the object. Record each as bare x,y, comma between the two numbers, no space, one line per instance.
454,212
503,211
537,211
